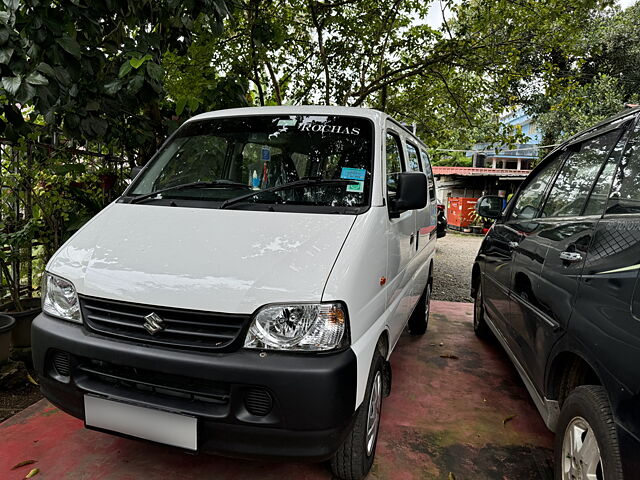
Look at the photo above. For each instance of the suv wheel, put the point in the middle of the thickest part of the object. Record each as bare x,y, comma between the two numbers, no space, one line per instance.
586,444
419,319
480,326
354,458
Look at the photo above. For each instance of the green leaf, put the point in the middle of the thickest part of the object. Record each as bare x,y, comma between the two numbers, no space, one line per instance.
93,106
25,93
4,32
70,46
155,71
5,55
136,84
4,16
35,78
124,69
12,5
46,69
137,62
114,87
11,84
62,76
180,104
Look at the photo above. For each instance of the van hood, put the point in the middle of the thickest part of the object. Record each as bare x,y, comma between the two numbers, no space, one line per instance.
230,261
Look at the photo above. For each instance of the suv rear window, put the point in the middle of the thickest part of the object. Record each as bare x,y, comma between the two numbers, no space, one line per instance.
576,179
625,192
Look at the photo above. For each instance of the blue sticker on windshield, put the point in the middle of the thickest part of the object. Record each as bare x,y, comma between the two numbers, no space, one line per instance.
353,173
266,154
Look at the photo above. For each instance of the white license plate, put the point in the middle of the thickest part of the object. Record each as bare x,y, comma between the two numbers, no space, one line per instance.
155,425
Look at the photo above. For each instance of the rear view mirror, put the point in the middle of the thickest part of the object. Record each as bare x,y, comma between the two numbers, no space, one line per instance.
411,193
490,206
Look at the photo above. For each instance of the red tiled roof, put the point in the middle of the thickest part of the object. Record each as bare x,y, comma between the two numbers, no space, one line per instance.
480,172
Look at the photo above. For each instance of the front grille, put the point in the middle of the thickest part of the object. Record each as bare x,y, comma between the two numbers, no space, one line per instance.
184,329
258,402
160,384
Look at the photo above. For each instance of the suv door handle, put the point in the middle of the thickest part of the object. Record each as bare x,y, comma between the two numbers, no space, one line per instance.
570,257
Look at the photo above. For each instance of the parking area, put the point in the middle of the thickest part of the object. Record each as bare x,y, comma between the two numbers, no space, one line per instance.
455,254
457,410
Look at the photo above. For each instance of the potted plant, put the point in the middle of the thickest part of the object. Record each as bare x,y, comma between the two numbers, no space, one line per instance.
7,323
20,305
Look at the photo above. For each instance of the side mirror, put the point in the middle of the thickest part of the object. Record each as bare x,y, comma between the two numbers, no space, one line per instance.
490,206
135,171
411,193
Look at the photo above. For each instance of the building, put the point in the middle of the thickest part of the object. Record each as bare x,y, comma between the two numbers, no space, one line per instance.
473,182
518,157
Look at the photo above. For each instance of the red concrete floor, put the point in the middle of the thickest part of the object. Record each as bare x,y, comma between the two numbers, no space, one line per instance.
444,415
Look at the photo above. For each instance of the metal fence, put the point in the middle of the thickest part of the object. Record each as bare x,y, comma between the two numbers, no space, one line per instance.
24,252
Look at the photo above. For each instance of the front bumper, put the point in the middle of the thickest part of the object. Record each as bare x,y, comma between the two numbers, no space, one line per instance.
310,398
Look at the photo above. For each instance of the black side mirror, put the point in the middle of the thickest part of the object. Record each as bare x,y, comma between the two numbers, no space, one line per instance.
135,171
490,206
411,193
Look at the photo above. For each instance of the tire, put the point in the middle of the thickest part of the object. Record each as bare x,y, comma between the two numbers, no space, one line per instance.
480,326
354,458
586,417
419,319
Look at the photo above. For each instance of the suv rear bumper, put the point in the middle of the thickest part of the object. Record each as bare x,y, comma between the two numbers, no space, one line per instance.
312,396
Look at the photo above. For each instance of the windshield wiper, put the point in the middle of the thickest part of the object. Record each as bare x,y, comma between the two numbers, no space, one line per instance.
186,186
304,182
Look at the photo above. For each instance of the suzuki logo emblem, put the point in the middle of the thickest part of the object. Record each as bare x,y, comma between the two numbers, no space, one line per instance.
153,323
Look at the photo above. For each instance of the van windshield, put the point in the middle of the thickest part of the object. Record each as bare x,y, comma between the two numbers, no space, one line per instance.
212,161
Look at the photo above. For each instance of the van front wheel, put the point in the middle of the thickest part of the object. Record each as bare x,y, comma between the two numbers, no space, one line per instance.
354,458
419,319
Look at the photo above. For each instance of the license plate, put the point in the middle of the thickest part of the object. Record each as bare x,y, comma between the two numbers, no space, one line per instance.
155,425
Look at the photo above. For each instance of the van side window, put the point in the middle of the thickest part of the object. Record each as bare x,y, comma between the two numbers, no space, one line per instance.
429,172
625,192
413,162
530,198
573,184
395,162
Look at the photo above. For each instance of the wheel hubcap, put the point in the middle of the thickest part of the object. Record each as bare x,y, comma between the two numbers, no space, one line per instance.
581,458
373,413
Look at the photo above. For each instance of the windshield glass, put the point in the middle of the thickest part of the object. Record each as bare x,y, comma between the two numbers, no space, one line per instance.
262,152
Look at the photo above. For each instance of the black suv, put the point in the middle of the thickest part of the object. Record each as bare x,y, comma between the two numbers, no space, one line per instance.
556,282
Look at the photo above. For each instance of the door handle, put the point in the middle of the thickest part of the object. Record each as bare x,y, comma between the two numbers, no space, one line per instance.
513,245
411,239
570,257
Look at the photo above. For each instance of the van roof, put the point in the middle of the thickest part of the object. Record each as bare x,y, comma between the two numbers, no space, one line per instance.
372,114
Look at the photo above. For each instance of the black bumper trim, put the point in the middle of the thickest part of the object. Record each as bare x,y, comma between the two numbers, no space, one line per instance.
313,395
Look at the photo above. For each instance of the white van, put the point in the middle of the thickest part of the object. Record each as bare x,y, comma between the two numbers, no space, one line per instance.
245,293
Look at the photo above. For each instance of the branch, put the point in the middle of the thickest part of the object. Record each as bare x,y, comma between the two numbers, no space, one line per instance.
323,54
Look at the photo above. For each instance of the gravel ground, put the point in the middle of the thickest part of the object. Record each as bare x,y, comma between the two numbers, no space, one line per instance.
455,254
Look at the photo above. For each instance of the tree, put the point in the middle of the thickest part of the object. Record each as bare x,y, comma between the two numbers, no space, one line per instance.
94,67
594,80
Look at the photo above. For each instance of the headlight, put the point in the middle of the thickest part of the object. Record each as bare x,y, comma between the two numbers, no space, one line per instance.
59,298
304,327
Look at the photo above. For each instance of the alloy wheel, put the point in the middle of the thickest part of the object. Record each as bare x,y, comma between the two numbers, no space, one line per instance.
581,459
373,413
